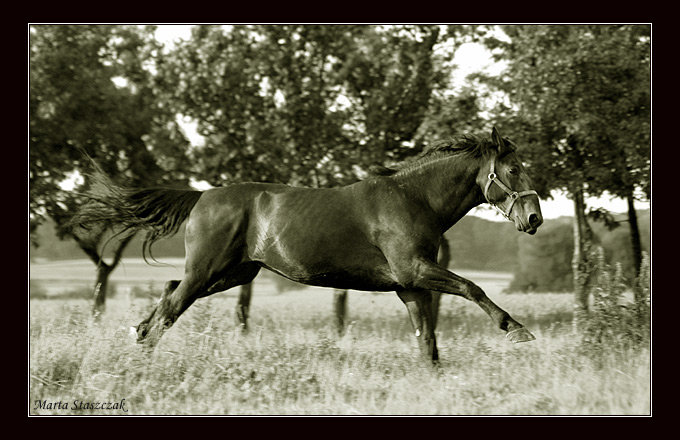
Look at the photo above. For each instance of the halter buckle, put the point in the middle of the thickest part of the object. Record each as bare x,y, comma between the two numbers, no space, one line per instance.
514,195
492,176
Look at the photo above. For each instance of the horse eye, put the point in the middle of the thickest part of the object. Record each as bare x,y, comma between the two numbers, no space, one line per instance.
513,170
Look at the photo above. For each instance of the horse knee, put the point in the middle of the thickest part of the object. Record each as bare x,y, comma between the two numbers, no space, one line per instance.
474,293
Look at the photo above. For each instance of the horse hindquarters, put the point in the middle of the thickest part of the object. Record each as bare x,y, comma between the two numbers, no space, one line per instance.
215,259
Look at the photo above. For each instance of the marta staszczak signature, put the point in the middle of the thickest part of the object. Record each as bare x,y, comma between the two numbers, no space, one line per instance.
81,405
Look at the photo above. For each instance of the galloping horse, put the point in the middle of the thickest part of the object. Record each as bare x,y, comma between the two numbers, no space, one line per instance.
379,234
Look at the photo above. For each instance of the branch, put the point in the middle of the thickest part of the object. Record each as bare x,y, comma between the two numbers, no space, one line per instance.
90,248
118,253
604,216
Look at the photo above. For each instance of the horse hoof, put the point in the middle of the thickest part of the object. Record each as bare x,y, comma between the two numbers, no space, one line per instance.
520,335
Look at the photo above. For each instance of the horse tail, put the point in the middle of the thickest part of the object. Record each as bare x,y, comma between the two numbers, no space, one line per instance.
159,211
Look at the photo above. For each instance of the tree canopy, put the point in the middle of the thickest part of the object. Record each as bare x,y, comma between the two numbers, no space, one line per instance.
582,97
581,101
92,95
305,104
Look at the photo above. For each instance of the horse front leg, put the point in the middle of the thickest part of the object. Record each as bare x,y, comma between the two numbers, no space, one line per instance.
419,305
428,275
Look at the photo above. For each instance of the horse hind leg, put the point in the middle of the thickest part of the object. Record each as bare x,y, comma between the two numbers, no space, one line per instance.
243,306
179,295
243,275
170,287
176,298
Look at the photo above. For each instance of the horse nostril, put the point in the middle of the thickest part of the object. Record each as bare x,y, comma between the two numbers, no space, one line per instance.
535,221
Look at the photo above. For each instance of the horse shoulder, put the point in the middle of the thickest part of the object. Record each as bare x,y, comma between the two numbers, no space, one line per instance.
395,221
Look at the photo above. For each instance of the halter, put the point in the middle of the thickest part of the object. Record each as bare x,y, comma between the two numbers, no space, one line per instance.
514,195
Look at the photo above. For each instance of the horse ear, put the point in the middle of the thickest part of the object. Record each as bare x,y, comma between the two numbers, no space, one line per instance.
498,142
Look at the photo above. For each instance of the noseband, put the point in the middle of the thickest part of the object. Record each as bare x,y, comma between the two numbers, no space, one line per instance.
514,195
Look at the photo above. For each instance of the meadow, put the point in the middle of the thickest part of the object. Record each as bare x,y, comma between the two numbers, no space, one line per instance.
292,362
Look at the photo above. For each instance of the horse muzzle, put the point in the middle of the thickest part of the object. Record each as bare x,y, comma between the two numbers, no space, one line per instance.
534,220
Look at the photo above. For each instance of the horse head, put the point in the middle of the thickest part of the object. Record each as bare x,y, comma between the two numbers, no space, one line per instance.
507,186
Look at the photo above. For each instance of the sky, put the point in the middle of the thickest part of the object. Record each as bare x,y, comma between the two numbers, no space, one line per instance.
469,58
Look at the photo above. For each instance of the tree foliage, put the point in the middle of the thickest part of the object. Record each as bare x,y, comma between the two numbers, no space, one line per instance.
304,104
91,95
583,102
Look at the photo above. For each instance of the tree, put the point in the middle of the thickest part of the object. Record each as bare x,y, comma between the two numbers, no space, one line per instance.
582,106
92,100
619,99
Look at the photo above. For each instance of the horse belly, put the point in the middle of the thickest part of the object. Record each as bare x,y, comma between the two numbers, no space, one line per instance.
377,278
328,263
321,247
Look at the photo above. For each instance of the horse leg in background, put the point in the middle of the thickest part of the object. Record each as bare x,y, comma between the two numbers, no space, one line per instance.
243,306
340,309
436,300
340,296
443,259
419,305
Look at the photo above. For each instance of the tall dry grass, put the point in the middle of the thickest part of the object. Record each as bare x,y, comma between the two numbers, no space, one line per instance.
291,362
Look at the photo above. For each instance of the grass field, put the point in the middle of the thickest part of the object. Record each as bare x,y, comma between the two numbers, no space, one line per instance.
292,362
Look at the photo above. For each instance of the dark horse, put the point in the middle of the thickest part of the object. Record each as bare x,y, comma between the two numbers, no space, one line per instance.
379,234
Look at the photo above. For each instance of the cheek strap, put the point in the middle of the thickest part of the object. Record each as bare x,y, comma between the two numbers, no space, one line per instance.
513,195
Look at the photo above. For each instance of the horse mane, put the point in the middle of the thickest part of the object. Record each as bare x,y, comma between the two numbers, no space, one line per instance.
466,145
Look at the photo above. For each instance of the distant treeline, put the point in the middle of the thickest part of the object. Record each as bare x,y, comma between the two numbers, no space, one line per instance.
540,263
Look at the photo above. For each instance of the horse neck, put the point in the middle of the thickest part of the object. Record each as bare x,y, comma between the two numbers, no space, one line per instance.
448,185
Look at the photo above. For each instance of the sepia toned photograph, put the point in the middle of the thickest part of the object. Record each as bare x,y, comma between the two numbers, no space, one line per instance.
339,219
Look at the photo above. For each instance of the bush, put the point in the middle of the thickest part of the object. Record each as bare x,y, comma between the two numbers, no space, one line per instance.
36,290
545,261
611,321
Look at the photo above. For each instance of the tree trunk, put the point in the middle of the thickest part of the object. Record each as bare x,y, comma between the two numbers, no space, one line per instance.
340,309
89,246
580,263
636,244
100,289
